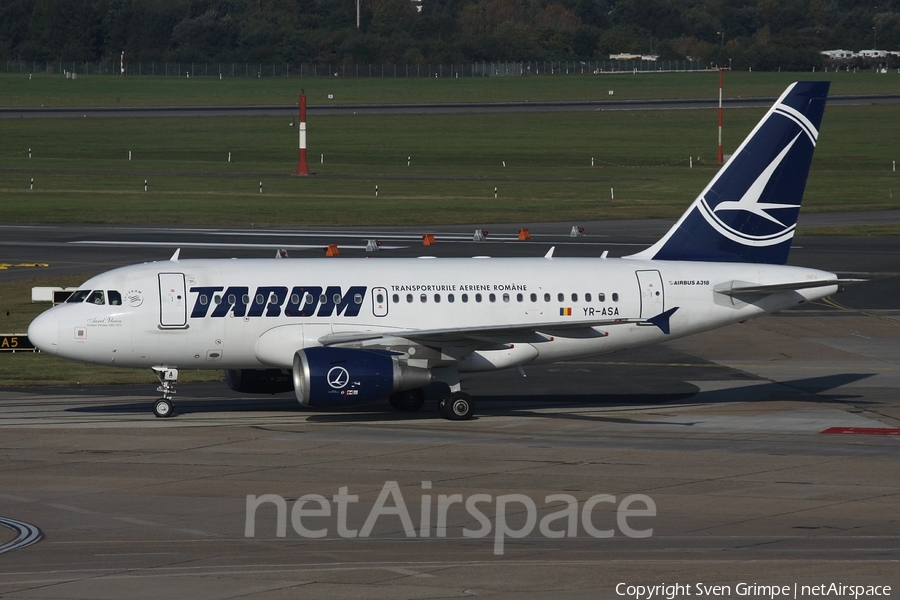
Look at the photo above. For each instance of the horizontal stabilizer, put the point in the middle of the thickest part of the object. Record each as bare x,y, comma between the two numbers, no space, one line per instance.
731,288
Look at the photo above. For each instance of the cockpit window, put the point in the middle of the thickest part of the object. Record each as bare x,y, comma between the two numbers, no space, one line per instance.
115,298
96,297
78,296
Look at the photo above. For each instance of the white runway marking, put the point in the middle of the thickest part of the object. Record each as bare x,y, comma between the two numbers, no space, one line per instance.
27,535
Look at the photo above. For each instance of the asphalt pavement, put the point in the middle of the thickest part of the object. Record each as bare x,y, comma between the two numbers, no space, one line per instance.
762,453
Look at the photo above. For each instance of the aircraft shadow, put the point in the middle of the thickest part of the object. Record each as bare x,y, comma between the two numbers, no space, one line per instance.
512,401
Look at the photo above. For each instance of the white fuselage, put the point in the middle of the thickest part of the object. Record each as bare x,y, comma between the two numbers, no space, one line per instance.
256,313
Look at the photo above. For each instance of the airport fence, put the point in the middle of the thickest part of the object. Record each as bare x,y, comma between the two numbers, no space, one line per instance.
476,69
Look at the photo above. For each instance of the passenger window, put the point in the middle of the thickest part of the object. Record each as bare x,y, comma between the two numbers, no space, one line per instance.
245,299
396,298
492,297
232,299
506,297
546,297
601,297
96,297
437,297
574,297
561,297
115,298
465,297
587,297
423,298
379,298
615,297
336,298
409,298
519,297
477,297
534,297
217,299
203,299
450,297
260,298
295,299
323,298
357,298
78,296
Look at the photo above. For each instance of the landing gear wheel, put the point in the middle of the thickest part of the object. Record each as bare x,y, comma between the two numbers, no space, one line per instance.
163,408
456,406
408,400
168,377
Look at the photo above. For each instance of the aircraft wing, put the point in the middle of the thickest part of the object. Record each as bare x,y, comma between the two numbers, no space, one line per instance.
532,332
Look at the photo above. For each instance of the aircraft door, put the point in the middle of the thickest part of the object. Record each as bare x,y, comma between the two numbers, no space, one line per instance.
652,293
379,302
172,301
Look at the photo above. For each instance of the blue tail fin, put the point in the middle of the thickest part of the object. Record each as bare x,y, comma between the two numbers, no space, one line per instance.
748,212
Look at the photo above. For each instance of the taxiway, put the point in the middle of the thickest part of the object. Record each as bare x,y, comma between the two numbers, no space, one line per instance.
769,450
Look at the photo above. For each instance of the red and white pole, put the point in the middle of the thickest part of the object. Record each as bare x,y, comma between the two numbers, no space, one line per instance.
302,168
720,115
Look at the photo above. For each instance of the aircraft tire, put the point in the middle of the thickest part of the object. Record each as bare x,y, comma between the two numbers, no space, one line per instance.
456,406
163,408
408,400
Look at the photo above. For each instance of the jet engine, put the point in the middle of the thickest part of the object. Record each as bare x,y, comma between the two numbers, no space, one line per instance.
259,381
333,377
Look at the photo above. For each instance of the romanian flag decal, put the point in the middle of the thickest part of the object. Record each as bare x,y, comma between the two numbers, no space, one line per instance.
565,312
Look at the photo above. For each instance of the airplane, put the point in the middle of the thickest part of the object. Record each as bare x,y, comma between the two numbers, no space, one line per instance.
342,332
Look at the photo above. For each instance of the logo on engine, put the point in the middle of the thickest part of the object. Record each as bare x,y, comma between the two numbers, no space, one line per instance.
337,377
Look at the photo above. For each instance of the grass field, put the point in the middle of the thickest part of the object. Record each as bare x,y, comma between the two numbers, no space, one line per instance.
55,90
82,173
540,163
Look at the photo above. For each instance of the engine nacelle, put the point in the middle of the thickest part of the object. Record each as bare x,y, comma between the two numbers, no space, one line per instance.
259,381
331,377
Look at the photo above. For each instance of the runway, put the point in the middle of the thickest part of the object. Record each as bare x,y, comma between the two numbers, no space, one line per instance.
768,451
434,108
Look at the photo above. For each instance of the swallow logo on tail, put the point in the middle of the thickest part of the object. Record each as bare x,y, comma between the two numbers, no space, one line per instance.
748,212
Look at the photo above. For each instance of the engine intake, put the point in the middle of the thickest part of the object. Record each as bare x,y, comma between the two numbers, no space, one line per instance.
330,377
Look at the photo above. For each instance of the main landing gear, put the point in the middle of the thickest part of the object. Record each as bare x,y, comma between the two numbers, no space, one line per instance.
408,400
164,407
454,406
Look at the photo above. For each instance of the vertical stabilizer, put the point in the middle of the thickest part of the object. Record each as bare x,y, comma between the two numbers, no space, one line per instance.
748,212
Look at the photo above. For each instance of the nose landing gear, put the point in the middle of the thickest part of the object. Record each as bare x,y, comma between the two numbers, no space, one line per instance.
164,407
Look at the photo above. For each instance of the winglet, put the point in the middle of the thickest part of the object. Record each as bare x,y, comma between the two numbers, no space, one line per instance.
175,256
662,320
549,255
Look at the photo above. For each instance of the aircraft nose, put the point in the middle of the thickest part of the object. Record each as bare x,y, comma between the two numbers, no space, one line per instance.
44,333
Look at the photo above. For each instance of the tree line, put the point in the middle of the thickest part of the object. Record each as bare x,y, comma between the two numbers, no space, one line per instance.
758,34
